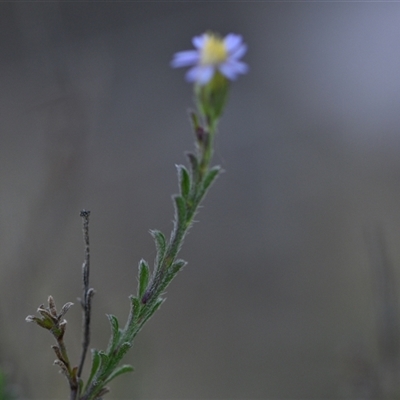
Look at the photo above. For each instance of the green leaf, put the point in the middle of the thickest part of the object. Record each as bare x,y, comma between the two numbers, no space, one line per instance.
161,242
210,177
123,349
194,164
172,271
115,333
119,371
184,181
155,306
131,323
103,359
161,245
100,362
114,324
144,274
180,211
116,358
135,304
177,266
108,365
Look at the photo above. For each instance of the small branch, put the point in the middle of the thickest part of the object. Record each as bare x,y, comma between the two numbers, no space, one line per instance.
86,301
53,321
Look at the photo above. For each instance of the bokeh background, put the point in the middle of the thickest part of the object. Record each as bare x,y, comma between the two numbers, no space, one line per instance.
292,282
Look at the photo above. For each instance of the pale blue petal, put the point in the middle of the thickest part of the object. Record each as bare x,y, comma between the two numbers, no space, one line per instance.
198,41
185,58
239,52
206,74
232,42
228,72
232,68
192,73
200,74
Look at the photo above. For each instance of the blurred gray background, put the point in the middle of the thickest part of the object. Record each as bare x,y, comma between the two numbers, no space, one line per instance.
291,287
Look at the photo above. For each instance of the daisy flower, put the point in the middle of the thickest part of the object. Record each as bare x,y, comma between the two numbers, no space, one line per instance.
212,54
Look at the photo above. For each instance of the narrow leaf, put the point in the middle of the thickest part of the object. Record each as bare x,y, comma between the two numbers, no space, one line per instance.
144,273
151,311
106,370
119,371
194,165
161,246
135,306
184,181
161,242
210,177
172,271
124,348
114,324
180,211
101,393
133,316
157,305
95,366
177,266
115,333
103,359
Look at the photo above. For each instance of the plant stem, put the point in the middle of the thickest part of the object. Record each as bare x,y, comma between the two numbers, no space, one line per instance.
86,301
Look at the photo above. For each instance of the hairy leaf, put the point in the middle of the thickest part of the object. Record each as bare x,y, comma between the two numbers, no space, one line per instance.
210,177
115,333
184,181
194,165
119,371
144,274
160,240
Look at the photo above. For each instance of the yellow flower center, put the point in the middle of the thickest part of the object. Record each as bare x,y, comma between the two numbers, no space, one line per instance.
214,51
